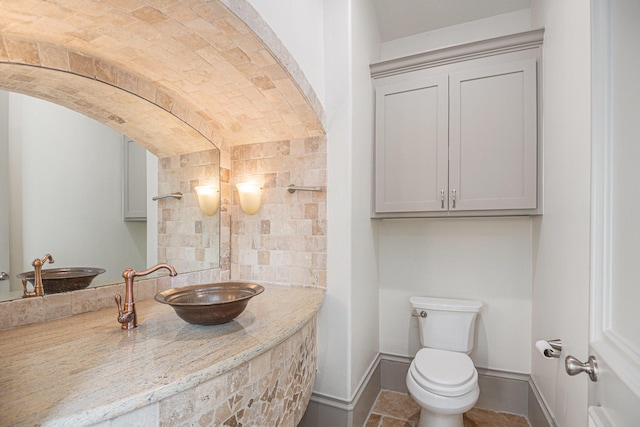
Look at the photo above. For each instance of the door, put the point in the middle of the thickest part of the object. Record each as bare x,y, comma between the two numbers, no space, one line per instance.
411,145
614,331
134,187
493,141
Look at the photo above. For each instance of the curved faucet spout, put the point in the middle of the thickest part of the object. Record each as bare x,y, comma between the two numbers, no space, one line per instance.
127,314
172,271
44,259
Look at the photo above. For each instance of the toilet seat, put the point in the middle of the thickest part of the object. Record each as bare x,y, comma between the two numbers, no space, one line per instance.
445,373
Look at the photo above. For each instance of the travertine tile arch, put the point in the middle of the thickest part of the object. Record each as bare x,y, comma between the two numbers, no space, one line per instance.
157,129
148,67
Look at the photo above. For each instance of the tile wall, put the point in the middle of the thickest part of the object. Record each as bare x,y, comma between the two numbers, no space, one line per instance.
196,60
285,242
186,236
229,87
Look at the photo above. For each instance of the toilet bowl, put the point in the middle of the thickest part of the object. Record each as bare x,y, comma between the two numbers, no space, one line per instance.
442,378
444,384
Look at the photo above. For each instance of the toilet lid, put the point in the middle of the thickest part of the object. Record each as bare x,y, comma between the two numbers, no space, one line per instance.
444,372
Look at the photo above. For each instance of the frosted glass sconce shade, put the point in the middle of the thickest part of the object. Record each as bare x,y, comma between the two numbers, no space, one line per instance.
250,194
208,199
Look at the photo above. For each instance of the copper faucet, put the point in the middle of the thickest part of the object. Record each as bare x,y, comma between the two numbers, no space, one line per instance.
127,316
38,287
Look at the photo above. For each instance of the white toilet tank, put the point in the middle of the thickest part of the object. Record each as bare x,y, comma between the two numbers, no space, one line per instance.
449,324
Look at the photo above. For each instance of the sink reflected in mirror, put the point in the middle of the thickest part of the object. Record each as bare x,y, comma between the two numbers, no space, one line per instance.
212,303
56,280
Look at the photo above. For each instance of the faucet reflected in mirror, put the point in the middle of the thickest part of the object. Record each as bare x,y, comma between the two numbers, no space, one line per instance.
127,314
38,287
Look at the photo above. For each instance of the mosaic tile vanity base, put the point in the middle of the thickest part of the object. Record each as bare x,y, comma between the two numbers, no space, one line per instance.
272,389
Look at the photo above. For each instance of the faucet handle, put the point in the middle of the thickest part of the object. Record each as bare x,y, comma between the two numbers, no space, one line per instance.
124,317
119,304
26,293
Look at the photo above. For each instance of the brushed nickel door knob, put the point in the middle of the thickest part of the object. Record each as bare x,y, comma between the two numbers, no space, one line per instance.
573,367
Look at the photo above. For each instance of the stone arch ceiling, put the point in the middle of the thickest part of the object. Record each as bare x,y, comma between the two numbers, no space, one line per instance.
175,75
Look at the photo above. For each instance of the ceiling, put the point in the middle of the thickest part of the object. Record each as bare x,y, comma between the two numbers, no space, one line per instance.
402,18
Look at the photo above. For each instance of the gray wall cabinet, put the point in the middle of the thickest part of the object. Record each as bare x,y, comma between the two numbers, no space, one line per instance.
457,131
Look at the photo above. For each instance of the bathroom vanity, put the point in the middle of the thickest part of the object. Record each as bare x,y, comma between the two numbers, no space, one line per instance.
82,370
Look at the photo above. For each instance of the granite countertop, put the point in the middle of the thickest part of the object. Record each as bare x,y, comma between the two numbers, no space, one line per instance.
85,369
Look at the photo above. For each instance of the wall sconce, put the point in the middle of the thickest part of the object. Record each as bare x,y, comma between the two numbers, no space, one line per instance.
208,199
250,193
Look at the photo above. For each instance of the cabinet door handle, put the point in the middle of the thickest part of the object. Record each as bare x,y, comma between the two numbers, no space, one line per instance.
453,198
442,199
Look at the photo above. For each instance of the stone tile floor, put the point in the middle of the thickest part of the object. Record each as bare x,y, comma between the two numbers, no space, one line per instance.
393,409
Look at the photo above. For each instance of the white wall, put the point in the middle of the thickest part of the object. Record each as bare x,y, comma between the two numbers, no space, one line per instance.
364,268
487,259
66,198
484,259
562,234
335,325
299,25
319,45
481,29
316,32
494,260
333,42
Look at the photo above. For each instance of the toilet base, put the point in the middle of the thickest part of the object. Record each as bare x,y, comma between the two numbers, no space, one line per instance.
430,419
441,411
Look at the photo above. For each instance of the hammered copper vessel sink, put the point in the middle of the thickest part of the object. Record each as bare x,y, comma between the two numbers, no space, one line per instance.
212,303
56,280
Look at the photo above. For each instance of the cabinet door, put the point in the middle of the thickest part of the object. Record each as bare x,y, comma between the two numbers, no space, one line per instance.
411,145
134,181
493,137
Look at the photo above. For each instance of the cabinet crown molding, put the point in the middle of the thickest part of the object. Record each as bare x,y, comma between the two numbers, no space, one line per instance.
519,41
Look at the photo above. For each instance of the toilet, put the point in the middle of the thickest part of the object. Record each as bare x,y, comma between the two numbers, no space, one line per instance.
442,378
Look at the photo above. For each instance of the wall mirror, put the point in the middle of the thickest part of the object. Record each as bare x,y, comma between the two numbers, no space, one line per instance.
83,192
